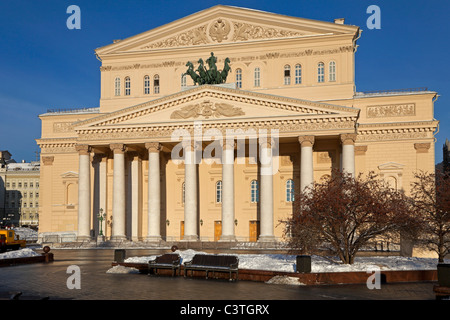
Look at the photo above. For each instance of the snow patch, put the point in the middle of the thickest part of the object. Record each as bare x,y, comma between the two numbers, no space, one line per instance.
21,253
122,270
285,280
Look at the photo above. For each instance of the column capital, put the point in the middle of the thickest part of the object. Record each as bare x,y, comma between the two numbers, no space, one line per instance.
188,145
266,142
348,138
83,149
153,147
306,141
228,144
422,147
118,147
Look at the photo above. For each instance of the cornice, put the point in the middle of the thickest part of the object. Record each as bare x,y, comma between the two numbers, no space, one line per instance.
211,91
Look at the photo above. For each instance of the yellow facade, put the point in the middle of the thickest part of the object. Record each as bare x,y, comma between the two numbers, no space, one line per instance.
275,85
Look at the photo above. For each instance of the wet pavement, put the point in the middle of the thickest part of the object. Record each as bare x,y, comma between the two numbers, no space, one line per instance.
41,280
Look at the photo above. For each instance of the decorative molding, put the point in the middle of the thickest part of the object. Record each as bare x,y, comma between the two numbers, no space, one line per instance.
207,109
60,127
83,149
392,110
154,147
48,160
360,150
164,132
118,148
253,98
244,59
221,30
246,31
348,138
422,147
306,141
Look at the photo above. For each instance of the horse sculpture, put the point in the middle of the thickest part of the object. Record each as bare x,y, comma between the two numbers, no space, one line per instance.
211,76
190,71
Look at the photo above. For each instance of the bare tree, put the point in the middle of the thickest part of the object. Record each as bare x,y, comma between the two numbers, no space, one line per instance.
431,194
344,213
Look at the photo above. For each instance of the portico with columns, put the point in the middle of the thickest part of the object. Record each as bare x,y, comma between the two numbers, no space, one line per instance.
142,176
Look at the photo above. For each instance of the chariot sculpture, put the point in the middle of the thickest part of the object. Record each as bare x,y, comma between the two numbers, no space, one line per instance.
208,76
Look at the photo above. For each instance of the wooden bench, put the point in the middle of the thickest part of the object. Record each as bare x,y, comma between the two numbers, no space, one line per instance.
214,263
166,261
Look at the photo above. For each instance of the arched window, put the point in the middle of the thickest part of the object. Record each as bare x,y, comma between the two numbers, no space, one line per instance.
332,71
183,80
127,86
156,84
239,78
298,74
290,190
254,191
287,74
257,77
146,85
117,86
219,191
320,72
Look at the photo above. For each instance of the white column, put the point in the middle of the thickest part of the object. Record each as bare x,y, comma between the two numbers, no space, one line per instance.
348,153
266,192
135,196
84,193
190,198
154,192
228,191
118,221
306,161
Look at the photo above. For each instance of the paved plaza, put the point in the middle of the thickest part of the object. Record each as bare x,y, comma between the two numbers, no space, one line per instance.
50,280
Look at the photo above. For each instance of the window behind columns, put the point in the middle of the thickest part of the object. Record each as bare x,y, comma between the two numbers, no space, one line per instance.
219,191
254,191
290,190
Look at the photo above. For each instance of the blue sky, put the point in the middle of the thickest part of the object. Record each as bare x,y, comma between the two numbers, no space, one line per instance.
44,65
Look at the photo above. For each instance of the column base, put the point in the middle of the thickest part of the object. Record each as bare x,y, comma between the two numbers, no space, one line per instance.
100,239
267,239
117,238
153,239
190,238
227,238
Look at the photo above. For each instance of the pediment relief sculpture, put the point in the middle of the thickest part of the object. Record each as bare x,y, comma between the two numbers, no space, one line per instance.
222,30
207,109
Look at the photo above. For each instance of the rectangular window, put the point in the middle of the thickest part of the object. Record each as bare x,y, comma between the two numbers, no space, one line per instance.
298,74
257,77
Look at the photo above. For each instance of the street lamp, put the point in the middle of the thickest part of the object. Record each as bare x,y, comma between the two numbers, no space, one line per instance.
101,216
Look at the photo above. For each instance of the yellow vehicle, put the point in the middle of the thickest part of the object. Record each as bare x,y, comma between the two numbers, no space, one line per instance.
10,241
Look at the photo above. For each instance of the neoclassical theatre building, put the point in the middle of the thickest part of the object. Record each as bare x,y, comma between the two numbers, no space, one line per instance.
167,158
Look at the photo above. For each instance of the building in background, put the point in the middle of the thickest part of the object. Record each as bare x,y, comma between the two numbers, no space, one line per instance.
19,192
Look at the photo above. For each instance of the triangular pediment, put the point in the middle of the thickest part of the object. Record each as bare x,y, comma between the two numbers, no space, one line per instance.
225,24
216,103
218,106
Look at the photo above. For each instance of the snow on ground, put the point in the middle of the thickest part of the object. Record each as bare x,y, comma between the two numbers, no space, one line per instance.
287,263
21,253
